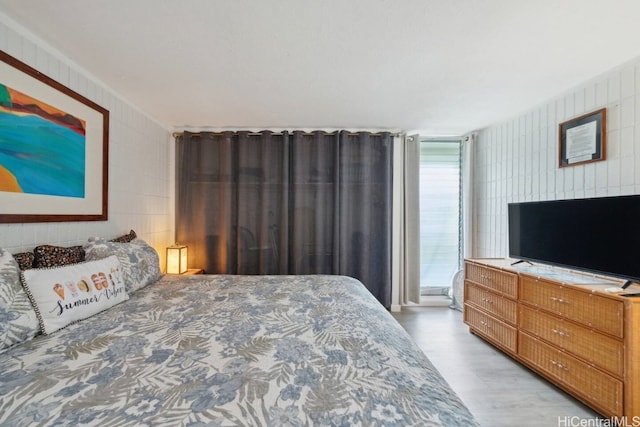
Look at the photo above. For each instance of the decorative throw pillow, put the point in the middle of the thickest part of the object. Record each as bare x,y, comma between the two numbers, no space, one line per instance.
126,238
64,295
24,260
47,256
140,262
18,321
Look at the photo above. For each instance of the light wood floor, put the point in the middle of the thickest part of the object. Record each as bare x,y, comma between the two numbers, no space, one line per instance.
497,390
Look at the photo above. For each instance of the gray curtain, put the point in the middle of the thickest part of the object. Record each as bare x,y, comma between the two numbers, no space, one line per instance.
287,203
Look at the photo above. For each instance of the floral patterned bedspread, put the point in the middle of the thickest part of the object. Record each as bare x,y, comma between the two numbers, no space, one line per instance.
230,351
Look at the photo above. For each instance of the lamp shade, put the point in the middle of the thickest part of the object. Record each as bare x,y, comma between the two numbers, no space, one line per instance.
176,259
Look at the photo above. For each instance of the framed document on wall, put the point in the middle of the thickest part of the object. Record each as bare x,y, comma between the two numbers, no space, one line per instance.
583,139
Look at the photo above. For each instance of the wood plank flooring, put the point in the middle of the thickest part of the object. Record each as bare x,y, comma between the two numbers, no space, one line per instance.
497,390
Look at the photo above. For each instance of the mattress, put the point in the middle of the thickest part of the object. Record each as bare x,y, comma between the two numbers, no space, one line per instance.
221,350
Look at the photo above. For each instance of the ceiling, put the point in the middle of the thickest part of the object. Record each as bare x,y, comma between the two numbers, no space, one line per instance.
440,67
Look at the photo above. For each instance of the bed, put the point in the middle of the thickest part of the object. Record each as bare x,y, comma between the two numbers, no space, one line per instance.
221,350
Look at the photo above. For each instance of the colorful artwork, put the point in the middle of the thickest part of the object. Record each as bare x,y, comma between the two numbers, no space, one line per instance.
42,149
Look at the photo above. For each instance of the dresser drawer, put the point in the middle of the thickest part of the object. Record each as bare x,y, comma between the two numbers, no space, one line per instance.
495,304
589,345
500,281
491,328
602,391
594,311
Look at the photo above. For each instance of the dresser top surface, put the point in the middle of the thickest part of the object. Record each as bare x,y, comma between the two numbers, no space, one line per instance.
586,281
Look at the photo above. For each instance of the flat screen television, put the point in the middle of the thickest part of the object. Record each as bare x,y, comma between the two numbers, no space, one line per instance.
598,235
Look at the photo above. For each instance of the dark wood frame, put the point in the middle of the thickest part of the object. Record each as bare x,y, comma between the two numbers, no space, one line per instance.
98,213
600,119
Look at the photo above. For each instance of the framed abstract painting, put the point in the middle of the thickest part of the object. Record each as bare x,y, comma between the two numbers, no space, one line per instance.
54,149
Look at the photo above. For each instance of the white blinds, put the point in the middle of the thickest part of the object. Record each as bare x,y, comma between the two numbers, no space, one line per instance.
439,212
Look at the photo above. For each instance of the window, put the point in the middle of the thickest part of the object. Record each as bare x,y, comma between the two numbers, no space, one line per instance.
439,214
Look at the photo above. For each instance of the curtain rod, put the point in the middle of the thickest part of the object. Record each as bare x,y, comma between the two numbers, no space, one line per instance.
254,133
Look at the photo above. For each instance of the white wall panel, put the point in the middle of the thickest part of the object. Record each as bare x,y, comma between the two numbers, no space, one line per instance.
518,160
140,195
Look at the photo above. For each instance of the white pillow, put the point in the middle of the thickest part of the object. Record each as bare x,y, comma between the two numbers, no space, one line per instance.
64,295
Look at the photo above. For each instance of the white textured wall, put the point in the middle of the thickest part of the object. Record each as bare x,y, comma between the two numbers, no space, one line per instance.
518,160
140,192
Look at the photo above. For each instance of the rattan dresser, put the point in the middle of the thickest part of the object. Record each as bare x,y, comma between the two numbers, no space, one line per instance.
564,326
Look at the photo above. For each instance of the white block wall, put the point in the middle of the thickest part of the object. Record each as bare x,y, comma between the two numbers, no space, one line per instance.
140,191
518,160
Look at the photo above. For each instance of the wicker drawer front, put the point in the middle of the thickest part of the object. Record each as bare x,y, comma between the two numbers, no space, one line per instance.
601,390
491,328
499,281
592,310
594,347
495,304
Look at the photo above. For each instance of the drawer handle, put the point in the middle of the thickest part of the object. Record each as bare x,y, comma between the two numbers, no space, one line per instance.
560,300
559,365
483,323
561,333
487,300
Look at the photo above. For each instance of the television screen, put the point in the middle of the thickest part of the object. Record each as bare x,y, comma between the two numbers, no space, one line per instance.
599,235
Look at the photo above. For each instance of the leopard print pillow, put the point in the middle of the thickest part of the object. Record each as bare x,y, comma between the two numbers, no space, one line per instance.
126,238
47,256
24,260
